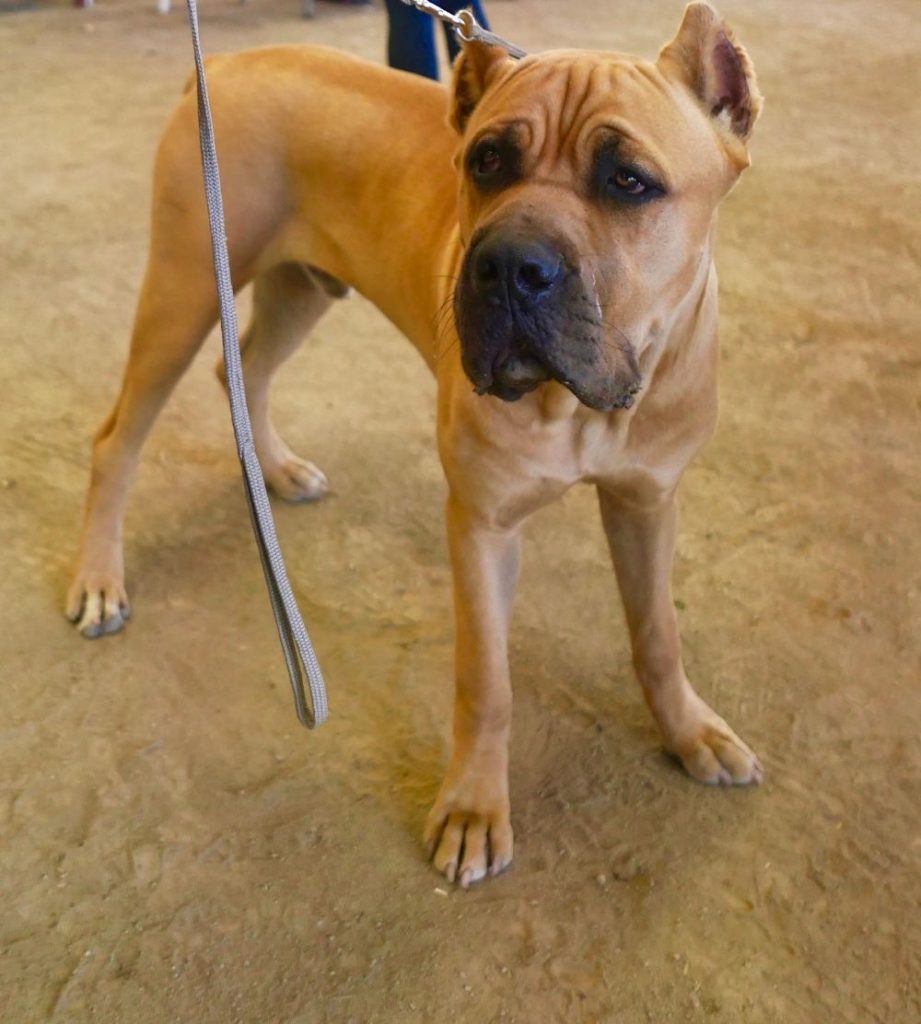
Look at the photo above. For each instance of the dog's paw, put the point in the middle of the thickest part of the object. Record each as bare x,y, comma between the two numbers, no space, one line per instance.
468,833
97,604
713,754
295,479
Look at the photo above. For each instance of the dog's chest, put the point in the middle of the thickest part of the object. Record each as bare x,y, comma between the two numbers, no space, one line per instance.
578,443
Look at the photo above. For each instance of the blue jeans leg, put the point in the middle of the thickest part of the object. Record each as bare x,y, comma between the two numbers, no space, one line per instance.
411,36
411,40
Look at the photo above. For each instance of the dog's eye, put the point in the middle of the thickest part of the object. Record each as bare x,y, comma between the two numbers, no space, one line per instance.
494,163
487,161
627,183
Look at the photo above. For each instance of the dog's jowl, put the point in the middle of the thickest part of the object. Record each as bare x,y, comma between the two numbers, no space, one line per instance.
563,207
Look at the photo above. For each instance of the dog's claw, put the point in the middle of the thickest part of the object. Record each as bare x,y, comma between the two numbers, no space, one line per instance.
468,845
97,609
498,866
470,876
714,754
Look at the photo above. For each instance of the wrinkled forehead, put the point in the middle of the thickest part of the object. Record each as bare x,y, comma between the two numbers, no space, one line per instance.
565,102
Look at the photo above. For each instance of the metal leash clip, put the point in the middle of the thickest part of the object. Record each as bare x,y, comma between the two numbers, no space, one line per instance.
466,27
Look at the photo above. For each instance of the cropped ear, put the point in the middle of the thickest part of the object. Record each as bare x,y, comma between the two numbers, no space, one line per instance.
474,70
706,57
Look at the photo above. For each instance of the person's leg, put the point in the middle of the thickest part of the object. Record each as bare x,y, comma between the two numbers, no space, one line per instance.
453,6
410,40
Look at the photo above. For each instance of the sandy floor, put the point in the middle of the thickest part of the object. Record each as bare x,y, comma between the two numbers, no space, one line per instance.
174,848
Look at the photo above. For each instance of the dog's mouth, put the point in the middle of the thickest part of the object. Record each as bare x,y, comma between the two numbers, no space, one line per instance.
526,314
519,370
514,375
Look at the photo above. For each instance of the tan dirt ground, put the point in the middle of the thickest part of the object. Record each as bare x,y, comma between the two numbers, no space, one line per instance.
175,848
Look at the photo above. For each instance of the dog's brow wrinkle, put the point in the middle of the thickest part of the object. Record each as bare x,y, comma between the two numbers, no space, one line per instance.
650,72
525,68
579,89
541,119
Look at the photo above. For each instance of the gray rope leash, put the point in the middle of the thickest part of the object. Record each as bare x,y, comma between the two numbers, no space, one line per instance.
466,27
292,633
295,643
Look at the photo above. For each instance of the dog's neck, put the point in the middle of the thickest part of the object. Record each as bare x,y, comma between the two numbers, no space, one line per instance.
686,324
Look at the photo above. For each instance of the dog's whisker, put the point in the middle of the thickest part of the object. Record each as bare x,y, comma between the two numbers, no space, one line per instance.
445,318
443,321
442,311
445,352
440,355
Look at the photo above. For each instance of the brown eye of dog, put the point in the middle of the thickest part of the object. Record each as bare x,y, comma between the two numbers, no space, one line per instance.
488,160
628,183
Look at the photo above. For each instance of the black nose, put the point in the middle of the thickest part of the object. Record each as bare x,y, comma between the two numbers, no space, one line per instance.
527,270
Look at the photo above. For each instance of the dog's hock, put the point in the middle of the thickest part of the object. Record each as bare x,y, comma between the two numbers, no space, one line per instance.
706,57
475,70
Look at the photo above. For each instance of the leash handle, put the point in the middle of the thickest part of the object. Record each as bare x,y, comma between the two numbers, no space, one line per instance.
292,633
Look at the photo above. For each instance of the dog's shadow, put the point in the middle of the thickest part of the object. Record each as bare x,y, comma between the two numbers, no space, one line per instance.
384,636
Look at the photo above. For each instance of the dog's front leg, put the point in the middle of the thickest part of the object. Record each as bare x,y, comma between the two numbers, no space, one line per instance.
641,536
468,832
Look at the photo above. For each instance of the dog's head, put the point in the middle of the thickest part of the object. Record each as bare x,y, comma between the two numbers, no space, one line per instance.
588,187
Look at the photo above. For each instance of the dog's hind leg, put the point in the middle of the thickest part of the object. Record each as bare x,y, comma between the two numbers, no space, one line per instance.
175,311
288,300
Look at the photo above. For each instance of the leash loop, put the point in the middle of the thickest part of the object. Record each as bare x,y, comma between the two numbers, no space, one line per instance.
292,633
